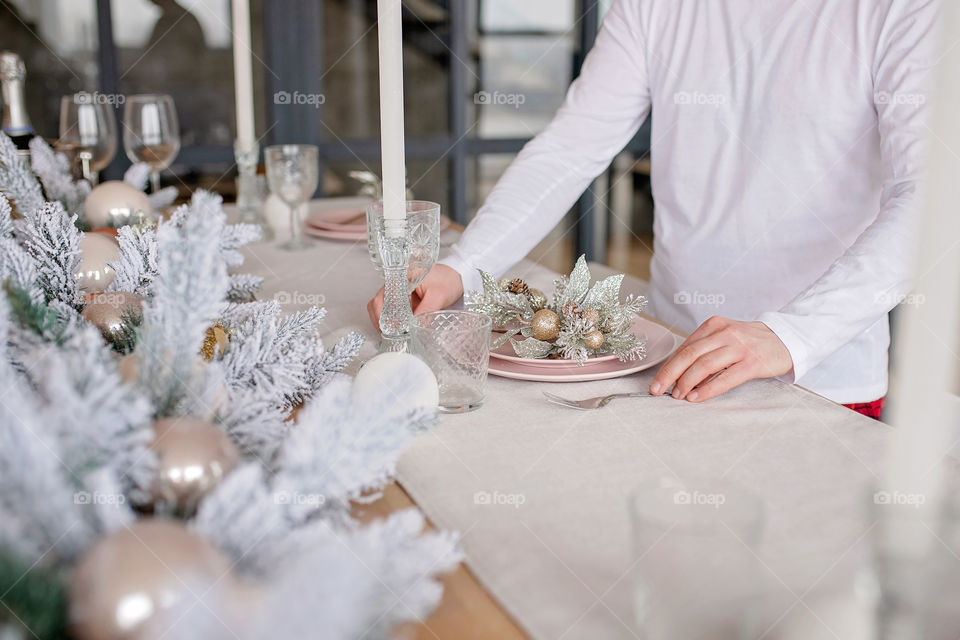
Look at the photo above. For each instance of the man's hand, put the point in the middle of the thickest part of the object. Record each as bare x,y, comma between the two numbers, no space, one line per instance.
440,289
720,355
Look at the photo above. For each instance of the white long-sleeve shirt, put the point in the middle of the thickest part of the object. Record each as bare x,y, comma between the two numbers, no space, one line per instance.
786,145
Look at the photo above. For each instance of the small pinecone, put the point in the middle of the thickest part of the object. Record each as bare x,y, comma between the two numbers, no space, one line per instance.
519,286
571,309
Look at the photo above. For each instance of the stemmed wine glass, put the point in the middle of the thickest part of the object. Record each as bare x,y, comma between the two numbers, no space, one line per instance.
88,132
292,174
151,133
423,239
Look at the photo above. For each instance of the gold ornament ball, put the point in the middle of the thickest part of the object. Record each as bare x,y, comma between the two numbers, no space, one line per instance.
546,325
107,309
126,583
594,339
193,455
115,203
537,299
97,251
591,316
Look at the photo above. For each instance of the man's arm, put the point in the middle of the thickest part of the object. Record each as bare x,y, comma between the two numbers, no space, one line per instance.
603,109
875,273
872,275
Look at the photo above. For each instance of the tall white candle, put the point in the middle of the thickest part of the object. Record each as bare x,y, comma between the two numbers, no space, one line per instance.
390,33
927,337
243,74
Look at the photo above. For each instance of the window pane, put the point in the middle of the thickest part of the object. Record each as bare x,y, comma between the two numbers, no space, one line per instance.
349,73
57,40
529,15
523,82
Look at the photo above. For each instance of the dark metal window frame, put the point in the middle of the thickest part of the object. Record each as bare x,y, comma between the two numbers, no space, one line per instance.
290,29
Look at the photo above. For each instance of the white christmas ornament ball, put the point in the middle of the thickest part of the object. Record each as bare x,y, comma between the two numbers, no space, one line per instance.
419,382
97,251
114,203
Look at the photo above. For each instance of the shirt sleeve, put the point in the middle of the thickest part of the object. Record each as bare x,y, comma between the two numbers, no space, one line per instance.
875,272
602,111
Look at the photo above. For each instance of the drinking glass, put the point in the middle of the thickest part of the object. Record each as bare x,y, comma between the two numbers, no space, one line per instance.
88,133
423,237
151,133
456,345
293,174
696,568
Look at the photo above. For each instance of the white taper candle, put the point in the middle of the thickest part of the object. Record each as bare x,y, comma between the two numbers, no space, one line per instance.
243,74
390,33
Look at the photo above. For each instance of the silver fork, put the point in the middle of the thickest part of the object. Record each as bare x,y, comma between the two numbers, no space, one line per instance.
589,404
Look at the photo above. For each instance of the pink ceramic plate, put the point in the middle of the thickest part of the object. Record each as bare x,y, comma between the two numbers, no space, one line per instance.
351,236
660,344
339,220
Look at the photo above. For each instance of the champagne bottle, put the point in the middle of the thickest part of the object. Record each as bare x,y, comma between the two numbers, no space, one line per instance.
16,122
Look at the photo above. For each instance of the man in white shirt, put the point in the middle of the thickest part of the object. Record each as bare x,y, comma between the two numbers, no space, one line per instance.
786,150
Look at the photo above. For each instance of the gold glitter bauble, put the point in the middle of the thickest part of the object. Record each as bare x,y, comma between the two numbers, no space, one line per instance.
546,325
106,310
126,583
594,339
193,455
537,299
591,316
215,341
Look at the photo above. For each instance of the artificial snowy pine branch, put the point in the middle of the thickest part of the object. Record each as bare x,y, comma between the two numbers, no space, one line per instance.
243,287
136,268
6,218
51,238
235,236
17,182
188,292
137,176
53,170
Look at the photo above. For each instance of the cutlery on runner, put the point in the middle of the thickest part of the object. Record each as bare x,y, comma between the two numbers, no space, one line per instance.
589,404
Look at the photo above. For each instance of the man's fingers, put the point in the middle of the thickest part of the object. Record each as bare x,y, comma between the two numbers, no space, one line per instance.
709,327
680,361
721,383
430,300
704,367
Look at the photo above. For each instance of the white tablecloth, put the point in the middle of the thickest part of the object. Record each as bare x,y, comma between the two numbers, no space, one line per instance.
559,561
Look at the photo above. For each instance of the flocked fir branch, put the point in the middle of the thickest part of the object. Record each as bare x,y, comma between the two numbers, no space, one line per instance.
71,427
51,238
53,170
17,181
244,287
136,267
187,295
